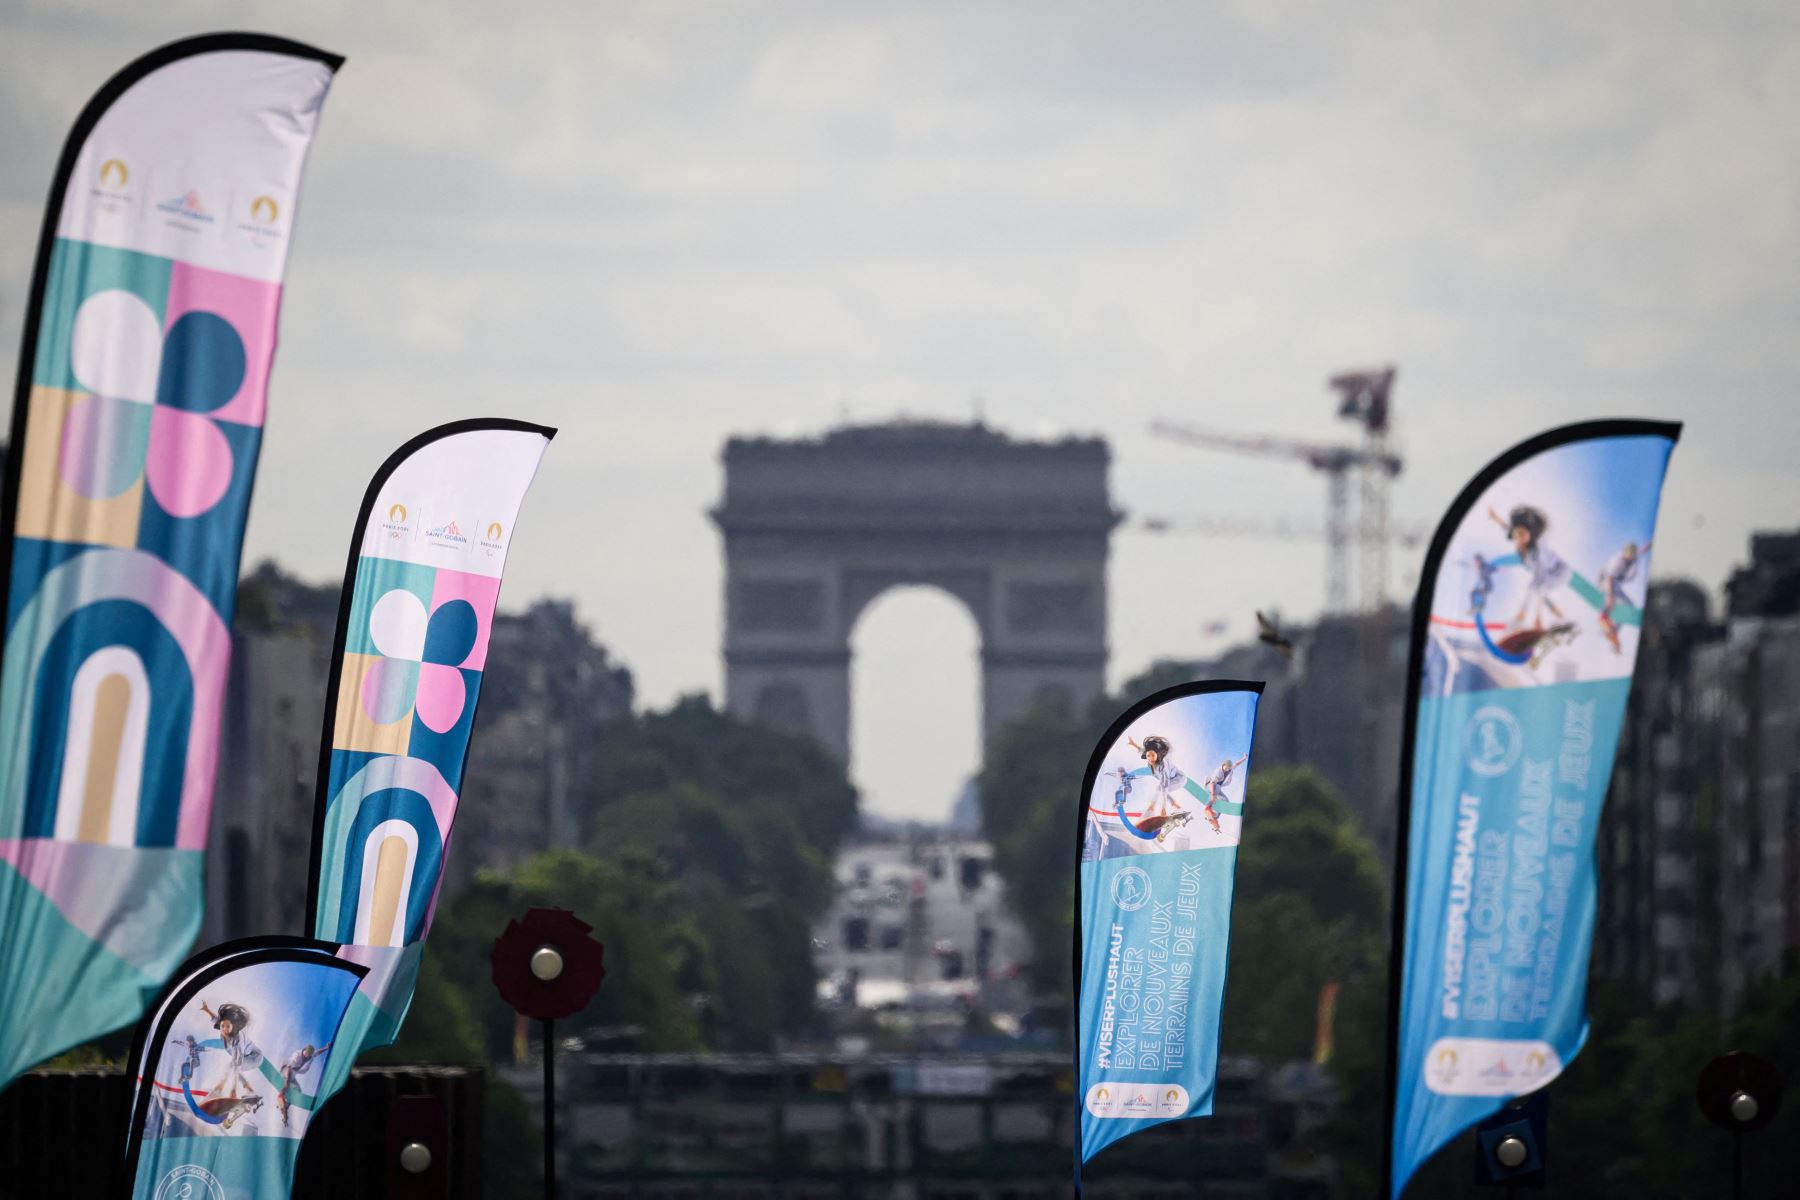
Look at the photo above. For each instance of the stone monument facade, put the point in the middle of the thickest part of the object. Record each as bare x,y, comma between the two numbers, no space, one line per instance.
817,528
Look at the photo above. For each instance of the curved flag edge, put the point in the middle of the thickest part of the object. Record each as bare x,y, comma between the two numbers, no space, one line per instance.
91,112
340,637
1196,687
140,1040
1471,493
191,978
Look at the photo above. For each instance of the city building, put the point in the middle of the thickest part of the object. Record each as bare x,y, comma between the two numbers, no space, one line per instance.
259,847
1769,585
1699,850
1750,689
1348,712
919,936
1656,852
548,691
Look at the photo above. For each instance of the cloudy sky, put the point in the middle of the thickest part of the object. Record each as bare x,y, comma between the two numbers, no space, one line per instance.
656,225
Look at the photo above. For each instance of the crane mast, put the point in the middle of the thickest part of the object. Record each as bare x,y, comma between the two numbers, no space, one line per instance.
1364,397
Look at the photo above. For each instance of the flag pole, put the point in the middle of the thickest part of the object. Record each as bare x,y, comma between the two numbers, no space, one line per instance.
549,1108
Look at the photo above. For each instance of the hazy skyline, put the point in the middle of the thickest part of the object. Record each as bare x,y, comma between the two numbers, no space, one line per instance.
656,226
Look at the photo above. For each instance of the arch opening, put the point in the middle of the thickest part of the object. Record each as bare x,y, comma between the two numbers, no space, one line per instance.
915,712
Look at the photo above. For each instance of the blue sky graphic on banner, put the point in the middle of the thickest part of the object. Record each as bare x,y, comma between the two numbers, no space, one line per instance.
229,1066
137,423
1523,665
1162,812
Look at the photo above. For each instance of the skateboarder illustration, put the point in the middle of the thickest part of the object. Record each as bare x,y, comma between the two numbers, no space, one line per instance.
233,1096
1130,892
1546,571
1621,569
1165,810
194,1051
298,1064
1148,827
1525,527
1215,789
1484,583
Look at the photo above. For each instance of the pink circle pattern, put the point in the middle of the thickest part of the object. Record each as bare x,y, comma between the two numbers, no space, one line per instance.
144,411
403,681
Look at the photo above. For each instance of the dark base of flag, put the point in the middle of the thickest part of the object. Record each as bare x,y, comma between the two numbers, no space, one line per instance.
52,1120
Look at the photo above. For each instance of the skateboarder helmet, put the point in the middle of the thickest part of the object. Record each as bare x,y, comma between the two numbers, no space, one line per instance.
236,1014
1159,744
1530,519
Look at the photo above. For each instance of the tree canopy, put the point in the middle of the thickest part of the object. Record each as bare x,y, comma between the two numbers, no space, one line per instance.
705,858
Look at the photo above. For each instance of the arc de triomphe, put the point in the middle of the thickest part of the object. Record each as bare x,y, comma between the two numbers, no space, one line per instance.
816,528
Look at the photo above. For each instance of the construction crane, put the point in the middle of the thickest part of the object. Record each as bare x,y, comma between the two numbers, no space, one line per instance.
1278,528
1365,398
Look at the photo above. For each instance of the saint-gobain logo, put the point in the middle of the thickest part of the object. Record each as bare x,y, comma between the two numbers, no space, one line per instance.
1131,889
1115,1099
189,1183
1492,741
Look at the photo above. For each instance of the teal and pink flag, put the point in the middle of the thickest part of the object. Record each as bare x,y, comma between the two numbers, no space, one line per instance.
228,1065
137,419
420,592
253,1036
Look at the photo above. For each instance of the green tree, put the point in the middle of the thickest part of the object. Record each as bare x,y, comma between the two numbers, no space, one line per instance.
749,765
1308,911
1030,787
732,827
641,987
707,857
440,1027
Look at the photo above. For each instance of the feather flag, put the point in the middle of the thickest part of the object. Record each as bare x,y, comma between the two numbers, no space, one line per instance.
228,1068
412,641
137,420
1162,809
1524,638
